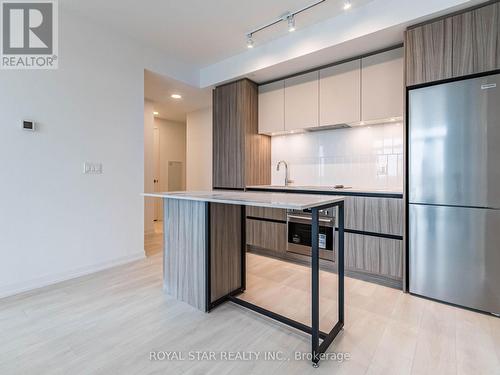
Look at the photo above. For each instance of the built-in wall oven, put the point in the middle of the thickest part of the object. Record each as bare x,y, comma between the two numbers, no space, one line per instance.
299,233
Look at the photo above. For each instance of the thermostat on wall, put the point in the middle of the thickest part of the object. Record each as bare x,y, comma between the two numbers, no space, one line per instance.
29,125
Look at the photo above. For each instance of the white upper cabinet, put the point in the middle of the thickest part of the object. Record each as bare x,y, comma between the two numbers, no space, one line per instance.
369,89
340,94
302,101
272,107
382,85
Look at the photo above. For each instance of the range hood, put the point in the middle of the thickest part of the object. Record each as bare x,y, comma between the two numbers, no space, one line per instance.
384,121
392,120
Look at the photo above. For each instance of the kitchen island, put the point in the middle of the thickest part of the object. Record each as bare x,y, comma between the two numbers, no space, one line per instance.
205,251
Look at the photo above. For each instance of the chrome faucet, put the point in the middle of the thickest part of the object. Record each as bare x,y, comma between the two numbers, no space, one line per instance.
287,181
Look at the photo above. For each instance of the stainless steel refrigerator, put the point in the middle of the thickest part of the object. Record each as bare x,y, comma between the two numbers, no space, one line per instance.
454,192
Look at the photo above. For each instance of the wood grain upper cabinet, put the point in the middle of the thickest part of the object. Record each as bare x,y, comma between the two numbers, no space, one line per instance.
301,101
272,107
340,94
241,156
429,52
382,77
476,40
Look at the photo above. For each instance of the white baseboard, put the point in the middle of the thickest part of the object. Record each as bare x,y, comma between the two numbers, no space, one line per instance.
41,282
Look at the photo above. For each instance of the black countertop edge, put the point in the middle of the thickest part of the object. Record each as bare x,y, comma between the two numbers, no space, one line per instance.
329,192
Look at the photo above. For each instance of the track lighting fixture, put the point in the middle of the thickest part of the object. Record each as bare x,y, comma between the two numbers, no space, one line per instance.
347,4
289,17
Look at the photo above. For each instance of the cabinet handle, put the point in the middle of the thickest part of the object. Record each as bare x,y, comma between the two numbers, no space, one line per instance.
309,218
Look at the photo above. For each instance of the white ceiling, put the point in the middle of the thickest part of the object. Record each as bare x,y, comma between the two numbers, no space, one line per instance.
200,32
158,88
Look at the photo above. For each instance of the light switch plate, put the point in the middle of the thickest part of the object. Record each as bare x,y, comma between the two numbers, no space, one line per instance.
92,168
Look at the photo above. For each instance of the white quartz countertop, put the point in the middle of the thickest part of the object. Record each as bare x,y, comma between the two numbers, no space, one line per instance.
258,199
316,188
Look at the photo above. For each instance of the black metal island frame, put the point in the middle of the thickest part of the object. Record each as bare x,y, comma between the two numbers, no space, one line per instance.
205,232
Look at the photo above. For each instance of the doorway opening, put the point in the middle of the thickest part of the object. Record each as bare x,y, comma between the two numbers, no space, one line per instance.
165,171
164,167
177,117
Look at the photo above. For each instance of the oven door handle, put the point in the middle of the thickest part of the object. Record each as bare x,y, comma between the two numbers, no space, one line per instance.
309,218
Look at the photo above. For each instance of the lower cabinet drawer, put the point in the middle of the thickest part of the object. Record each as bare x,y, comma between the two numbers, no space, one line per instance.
266,235
376,215
267,213
374,255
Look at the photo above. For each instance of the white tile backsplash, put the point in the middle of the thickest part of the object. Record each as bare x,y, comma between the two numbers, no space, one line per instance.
364,157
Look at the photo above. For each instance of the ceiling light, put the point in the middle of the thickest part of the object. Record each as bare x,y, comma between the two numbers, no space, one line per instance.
249,41
176,96
155,113
291,23
393,119
347,4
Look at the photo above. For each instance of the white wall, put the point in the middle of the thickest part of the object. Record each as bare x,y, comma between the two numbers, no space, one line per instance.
199,150
365,157
56,222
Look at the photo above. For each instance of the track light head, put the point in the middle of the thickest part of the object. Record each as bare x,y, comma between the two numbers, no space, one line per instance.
291,23
347,4
249,41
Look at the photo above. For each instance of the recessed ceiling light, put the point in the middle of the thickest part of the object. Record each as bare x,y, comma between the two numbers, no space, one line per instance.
155,113
176,96
347,4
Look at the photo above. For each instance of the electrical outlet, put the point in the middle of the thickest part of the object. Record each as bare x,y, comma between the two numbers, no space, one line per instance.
382,165
92,168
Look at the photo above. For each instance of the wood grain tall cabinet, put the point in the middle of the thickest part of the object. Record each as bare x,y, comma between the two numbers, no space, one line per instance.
241,156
